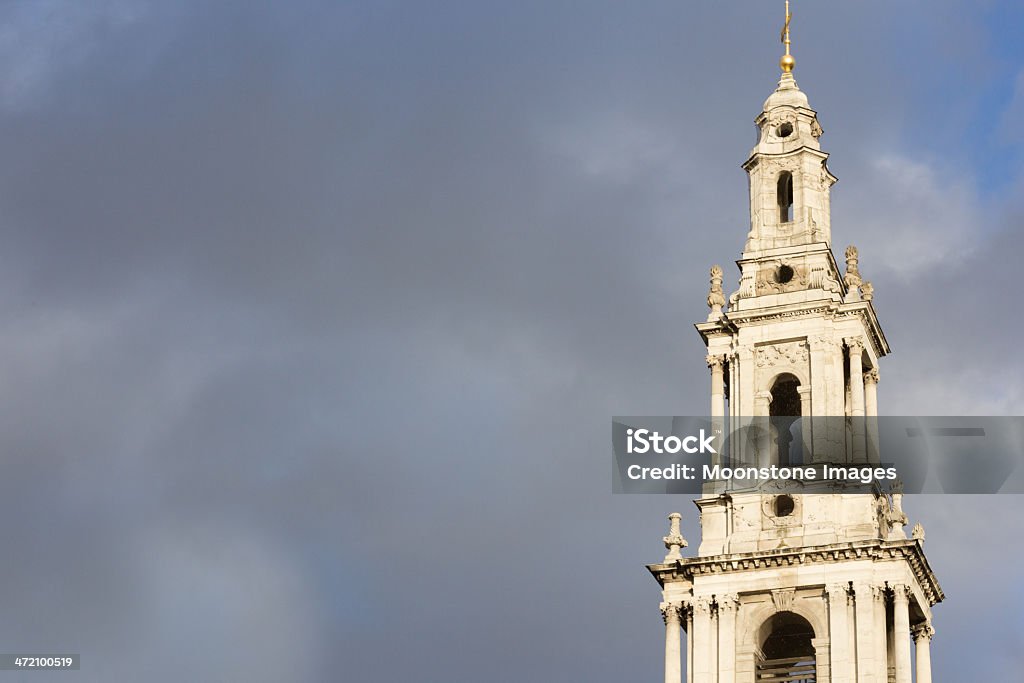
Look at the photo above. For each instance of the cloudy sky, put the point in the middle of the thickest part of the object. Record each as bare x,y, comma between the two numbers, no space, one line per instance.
315,315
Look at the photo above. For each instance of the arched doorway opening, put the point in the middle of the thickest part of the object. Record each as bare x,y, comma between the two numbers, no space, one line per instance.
784,412
787,650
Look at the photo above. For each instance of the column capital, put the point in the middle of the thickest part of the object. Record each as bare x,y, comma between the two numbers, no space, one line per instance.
838,593
901,593
922,631
702,605
824,342
671,612
869,591
727,602
715,360
856,344
871,376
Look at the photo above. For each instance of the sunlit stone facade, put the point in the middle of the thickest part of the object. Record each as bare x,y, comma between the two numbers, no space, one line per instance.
808,587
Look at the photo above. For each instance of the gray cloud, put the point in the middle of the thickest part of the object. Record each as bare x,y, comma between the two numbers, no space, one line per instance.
315,318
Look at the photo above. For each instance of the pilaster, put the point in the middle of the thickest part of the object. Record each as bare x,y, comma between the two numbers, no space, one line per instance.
728,604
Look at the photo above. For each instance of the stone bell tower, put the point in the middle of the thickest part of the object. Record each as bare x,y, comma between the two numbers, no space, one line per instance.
815,586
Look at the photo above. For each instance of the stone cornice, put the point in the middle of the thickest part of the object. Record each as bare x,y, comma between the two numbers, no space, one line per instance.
865,310
730,321
757,156
910,550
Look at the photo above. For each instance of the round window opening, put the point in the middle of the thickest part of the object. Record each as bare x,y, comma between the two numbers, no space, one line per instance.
784,506
783,274
785,130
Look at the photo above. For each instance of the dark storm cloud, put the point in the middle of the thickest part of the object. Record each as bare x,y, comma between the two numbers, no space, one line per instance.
315,316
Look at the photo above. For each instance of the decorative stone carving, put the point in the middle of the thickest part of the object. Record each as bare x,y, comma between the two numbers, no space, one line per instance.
821,278
867,291
727,602
715,361
922,631
901,593
769,280
791,353
855,344
674,541
671,612
716,299
825,343
872,376
918,532
895,518
838,593
852,278
783,599
745,290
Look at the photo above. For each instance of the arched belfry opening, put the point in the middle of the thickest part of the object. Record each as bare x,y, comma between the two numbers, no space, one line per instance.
784,411
785,197
787,650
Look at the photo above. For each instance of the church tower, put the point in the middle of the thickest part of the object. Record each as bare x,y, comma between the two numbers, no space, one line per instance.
817,586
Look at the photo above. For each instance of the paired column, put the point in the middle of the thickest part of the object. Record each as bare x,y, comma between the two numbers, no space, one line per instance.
703,639
923,642
839,633
717,365
871,392
760,423
881,632
901,633
871,411
727,606
855,346
866,630
688,616
671,612
805,423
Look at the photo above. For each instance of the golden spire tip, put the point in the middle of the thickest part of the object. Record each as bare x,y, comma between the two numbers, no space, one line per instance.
787,62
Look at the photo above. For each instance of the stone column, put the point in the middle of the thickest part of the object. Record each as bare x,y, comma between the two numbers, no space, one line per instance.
871,392
763,443
819,347
713,655
717,363
856,349
734,452
901,633
727,606
671,612
871,410
702,639
822,660
882,632
838,631
688,613
827,399
923,642
867,659
805,423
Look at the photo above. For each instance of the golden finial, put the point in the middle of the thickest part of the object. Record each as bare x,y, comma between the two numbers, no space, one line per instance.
787,62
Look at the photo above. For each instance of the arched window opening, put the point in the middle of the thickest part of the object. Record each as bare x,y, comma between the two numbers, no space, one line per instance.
785,195
784,412
788,650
